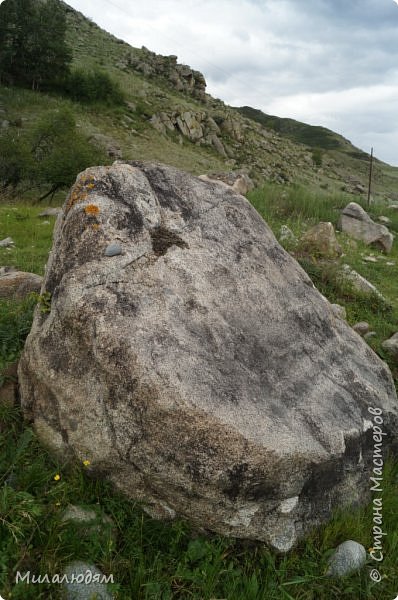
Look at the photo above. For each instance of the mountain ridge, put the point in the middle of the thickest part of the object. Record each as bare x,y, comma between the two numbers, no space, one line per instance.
168,116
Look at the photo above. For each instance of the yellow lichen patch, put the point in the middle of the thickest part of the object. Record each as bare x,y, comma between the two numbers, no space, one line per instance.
95,226
91,209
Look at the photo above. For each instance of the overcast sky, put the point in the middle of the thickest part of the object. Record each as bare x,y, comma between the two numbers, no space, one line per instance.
324,62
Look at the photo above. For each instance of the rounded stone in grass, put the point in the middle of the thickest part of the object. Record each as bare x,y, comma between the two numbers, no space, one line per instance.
113,250
347,558
85,582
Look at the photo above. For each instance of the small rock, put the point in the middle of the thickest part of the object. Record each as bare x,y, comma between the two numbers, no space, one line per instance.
45,222
50,212
321,241
358,282
371,259
384,220
391,344
7,242
339,311
113,250
347,558
369,335
85,591
93,520
17,285
4,270
362,327
390,263
287,235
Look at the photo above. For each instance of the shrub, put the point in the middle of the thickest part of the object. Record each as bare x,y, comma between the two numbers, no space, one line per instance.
92,86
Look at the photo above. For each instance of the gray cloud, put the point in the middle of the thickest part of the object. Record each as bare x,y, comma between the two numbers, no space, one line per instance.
327,62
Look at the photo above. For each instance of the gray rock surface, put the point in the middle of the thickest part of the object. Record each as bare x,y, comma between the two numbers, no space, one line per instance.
356,222
348,558
51,211
201,372
82,590
391,344
7,243
361,327
17,285
358,282
339,311
321,241
287,235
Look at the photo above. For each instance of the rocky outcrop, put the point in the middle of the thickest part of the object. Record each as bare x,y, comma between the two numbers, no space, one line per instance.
356,222
199,369
197,127
181,77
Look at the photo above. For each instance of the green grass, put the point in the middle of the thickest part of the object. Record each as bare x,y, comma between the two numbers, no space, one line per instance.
155,560
151,559
32,236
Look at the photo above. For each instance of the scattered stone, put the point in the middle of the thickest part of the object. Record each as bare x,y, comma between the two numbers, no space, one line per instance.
89,519
240,182
348,558
4,270
390,263
391,344
50,212
16,285
177,375
339,311
358,282
7,242
113,250
287,235
371,259
362,327
321,240
384,220
107,143
370,335
356,222
85,591
5,124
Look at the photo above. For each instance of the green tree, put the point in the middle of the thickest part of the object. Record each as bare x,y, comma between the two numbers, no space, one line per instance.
48,157
60,151
33,51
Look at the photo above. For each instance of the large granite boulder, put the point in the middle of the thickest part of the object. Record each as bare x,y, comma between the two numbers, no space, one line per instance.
197,367
355,221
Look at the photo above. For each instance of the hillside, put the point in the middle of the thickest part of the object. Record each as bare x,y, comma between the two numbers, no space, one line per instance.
168,116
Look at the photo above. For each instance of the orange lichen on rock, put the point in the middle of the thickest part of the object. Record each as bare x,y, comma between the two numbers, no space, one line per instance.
91,209
79,192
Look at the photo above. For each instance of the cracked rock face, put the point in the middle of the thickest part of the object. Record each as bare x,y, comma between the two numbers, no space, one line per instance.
199,369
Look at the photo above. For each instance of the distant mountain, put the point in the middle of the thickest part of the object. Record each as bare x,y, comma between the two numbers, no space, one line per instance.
168,116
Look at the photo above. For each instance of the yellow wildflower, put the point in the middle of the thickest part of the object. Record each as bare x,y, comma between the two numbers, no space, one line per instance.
57,477
86,463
